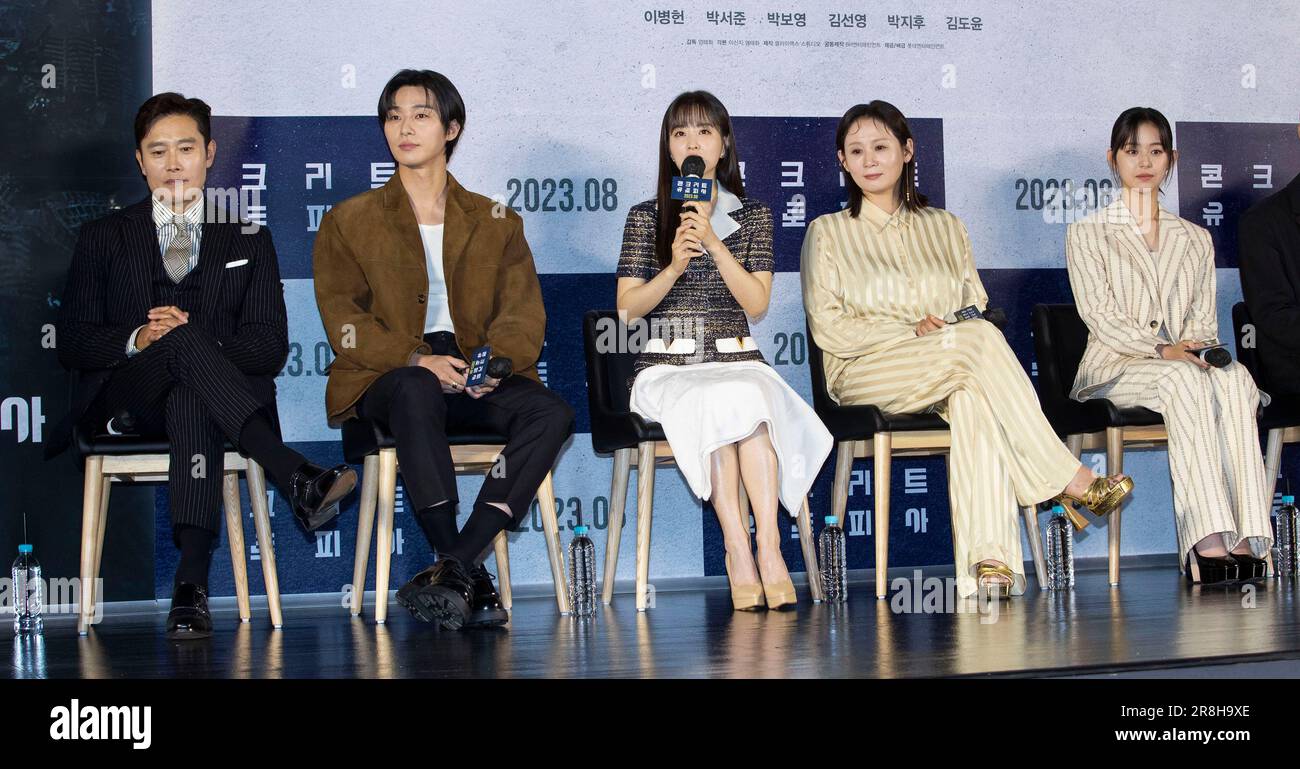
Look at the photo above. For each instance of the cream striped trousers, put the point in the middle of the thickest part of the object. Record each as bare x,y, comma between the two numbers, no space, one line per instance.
1214,455
1004,454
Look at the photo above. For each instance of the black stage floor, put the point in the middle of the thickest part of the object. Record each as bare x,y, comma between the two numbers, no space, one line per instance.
1153,624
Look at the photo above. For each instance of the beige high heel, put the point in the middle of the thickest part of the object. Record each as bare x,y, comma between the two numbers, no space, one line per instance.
779,594
743,597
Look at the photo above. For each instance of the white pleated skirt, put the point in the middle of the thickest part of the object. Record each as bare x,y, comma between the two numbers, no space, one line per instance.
704,406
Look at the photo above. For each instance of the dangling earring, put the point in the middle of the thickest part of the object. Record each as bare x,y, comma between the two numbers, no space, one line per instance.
909,197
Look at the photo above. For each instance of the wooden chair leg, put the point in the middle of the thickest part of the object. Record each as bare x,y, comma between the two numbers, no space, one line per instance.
554,548
365,528
1114,464
265,544
645,494
235,536
1273,461
1075,444
840,488
92,488
882,450
104,493
809,547
614,532
384,543
1035,544
502,548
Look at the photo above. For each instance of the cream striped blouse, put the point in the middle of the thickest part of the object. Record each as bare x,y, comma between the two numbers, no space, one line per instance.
868,281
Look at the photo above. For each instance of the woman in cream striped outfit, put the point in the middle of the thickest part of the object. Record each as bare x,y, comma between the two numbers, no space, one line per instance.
1144,282
878,277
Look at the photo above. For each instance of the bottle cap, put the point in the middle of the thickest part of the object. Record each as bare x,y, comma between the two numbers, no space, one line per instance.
580,530
24,548
1058,510
829,520
1288,499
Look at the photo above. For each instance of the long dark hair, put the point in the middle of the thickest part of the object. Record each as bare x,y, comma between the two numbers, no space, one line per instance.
1125,131
691,108
890,117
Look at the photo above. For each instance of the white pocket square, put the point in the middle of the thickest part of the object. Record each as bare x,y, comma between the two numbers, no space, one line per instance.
236,263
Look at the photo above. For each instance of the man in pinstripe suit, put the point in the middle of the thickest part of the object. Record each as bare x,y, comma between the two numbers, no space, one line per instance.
175,316
1269,255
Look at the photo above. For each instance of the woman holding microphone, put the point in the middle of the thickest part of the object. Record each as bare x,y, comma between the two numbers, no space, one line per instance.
698,272
1144,283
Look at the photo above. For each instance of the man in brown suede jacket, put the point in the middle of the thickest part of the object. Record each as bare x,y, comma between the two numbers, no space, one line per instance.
411,278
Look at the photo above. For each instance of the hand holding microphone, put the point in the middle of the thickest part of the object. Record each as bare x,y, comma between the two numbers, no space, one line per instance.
694,229
1207,354
686,246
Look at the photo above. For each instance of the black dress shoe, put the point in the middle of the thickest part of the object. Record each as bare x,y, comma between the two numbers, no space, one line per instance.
441,593
315,493
1250,568
486,609
1205,570
189,618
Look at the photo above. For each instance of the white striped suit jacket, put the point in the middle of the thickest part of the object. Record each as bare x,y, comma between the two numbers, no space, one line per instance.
1125,293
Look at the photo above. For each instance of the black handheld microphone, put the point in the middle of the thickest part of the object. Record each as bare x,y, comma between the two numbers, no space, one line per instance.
693,165
1216,355
500,367
692,185
692,170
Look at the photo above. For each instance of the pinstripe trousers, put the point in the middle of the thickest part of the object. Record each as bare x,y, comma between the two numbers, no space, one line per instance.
181,386
1214,458
1004,452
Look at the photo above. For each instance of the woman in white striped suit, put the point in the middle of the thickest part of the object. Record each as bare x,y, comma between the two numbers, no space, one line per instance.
878,277
1144,283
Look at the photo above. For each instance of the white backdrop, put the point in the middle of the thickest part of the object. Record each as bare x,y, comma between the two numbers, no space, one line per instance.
578,91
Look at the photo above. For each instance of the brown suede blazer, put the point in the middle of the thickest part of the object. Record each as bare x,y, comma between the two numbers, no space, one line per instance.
372,284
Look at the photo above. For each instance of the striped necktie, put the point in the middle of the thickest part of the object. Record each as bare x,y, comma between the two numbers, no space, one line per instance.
177,258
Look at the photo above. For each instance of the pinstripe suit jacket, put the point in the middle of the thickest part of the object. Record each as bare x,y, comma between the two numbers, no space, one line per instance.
1126,294
109,293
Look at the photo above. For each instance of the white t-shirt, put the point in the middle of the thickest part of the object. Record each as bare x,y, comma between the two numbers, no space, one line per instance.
437,311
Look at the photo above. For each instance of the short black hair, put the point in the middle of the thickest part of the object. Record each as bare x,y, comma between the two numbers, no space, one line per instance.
161,105
892,119
450,106
1125,131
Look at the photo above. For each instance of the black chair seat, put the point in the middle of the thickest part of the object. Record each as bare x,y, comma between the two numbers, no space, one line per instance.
105,444
856,423
363,437
613,425
1134,417
1060,338
1282,412
89,439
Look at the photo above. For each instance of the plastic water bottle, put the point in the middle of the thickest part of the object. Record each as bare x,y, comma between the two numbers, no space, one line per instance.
1284,540
1060,551
28,591
582,574
830,550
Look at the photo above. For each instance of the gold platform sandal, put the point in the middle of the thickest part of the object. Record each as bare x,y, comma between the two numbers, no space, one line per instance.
1103,495
993,588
